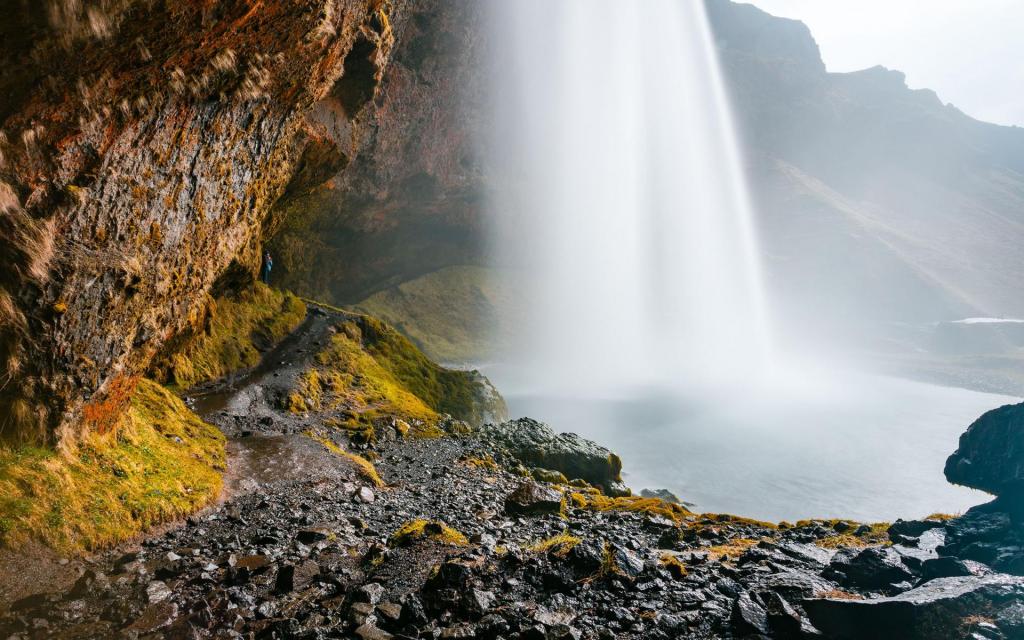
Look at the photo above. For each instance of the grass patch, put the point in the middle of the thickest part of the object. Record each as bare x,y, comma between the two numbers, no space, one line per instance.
559,545
422,530
486,462
673,564
731,550
634,504
159,463
878,534
371,371
838,594
237,331
364,466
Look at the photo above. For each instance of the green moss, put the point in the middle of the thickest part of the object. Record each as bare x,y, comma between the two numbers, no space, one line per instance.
486,462
160,462
421,530
370,371
596,501
364,466
239,328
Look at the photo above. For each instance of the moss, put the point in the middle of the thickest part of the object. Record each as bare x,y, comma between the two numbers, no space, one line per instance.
423,530
364,466
159,463
673,564
238,329
547,475
730,550
634,504
373,372
486,462
559,545
878,534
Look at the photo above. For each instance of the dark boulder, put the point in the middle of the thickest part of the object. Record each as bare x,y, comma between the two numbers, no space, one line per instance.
945,567
991,453
530,498
872,569
535,444
927,612
913,528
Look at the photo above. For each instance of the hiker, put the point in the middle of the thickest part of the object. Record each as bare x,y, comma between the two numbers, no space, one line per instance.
268,264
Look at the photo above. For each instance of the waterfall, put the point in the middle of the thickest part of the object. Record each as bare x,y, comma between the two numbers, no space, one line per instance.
620,201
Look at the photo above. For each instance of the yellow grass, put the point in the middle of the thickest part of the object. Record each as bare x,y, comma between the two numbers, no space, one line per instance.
159,463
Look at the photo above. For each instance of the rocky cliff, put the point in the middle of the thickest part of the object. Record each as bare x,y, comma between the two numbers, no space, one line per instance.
407,200
143,144
877,200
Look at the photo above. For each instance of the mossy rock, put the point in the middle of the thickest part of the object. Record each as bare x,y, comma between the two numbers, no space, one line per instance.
159,462
536,445
236,332
369,373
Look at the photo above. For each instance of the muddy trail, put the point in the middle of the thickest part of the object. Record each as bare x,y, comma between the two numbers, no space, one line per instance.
306,544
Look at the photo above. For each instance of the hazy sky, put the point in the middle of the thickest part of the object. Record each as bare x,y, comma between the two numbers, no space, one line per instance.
971,52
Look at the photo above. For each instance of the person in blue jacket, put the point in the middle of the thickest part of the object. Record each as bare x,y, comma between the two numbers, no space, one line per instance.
268,264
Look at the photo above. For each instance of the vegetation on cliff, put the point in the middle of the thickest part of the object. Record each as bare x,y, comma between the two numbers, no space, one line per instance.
370,371
160,462
238,329
450,314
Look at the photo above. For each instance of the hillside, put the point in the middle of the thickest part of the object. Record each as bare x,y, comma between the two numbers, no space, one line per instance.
883,209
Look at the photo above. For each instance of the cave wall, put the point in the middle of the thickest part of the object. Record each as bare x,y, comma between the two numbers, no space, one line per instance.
142,145
407,198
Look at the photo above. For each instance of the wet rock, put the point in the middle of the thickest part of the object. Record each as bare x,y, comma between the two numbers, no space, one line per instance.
296,576
531,498
749,616
913,528
625,562
311,536
366,495
929,611
155,617
370,593
371,632
661,494
943,568
535,444
586,558
873,569
991,453
157,591
1011,620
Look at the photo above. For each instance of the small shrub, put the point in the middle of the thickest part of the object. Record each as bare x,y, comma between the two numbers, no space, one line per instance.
559,545
423,530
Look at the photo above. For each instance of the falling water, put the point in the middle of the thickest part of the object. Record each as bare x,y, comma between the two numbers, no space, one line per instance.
623,201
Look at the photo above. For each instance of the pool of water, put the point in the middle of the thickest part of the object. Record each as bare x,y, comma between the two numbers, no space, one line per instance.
866,447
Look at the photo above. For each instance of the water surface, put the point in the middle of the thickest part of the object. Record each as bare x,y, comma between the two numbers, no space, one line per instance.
870,448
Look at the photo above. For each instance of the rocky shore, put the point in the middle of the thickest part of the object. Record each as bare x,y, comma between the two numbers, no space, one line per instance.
503,532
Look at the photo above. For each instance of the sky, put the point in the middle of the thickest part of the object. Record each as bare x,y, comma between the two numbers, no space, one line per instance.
970,52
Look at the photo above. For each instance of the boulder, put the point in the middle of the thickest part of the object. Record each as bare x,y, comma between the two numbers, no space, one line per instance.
531,498
535,444
991,453
929,611
871,569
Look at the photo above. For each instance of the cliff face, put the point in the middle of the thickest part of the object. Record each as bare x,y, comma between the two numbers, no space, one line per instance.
408,199
880,203
143,145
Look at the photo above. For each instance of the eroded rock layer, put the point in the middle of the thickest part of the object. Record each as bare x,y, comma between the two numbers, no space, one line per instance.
143,144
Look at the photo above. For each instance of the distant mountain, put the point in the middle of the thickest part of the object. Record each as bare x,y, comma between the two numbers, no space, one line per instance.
879,202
